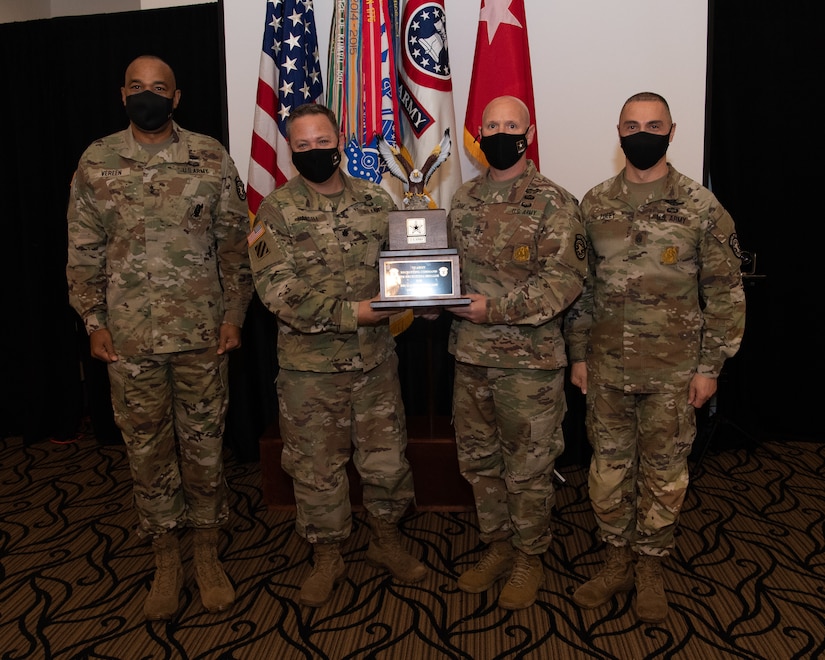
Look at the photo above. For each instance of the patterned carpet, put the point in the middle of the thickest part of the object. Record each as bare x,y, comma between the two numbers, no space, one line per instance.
747,579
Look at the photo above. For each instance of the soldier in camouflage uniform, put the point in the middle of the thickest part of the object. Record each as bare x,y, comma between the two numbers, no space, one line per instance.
522,253
663,308
314,250
158,271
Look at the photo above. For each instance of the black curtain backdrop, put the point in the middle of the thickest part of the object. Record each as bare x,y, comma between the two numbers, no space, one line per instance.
764,164
62,80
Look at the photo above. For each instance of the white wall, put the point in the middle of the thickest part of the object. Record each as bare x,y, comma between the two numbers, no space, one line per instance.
588,56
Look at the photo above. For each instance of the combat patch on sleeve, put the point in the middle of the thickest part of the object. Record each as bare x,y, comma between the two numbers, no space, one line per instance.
239,188
580,246
733,241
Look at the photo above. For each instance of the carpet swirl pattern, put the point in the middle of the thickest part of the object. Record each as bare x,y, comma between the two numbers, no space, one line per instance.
747,579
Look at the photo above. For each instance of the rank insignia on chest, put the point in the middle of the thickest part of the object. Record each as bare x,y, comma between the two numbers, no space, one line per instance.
670,255
521,253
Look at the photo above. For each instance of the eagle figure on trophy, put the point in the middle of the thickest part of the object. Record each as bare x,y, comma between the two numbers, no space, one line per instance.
414,178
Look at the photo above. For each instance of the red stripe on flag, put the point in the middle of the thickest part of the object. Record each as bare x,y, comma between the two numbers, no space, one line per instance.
262,152
266,99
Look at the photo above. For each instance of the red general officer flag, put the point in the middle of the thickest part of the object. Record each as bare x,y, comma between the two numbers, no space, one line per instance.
501,66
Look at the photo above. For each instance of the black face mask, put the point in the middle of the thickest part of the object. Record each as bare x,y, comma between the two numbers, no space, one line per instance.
503,150
644,150
317,165
149,111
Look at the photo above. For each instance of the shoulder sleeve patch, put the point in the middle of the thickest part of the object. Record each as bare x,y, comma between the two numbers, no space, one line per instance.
261,246
736,248
581,246
239,188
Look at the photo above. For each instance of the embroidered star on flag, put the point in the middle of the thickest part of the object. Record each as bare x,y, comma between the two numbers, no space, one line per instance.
501,66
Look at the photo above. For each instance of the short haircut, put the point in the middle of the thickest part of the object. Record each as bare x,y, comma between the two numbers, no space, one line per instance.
649,96
156,58
308,109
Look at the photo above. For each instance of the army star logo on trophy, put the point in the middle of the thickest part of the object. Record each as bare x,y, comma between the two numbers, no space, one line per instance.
418,270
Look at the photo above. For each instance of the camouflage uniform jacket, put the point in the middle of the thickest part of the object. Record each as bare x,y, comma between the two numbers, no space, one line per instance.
157,250
664,296
524,249
313,262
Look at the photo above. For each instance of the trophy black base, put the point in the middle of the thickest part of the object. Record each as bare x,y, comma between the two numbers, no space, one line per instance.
400,304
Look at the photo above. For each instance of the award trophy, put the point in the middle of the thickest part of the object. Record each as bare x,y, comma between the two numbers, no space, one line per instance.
419,269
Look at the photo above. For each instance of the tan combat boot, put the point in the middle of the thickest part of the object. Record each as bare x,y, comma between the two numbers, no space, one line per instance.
616,576
651,603
522,588
385,551
327,571
163,599
495,563
217,592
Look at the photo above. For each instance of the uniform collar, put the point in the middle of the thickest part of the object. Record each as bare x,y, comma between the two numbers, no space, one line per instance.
308,198
485,191
177,152
670,190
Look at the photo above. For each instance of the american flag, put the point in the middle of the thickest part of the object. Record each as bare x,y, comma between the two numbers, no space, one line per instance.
289,75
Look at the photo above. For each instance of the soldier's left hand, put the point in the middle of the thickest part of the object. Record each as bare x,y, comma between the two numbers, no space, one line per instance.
229,338
475,312
701,389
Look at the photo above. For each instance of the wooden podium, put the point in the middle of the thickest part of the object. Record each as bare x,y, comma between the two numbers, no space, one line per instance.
430,449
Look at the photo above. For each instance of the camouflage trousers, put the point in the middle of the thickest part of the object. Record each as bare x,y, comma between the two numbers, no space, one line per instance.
171,410
639,473
325,418
508,437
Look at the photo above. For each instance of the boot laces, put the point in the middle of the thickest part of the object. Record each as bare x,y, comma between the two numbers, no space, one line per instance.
209,568
648,574
521,571
166,575
324,562
389,539
490,558
615,564
166,578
